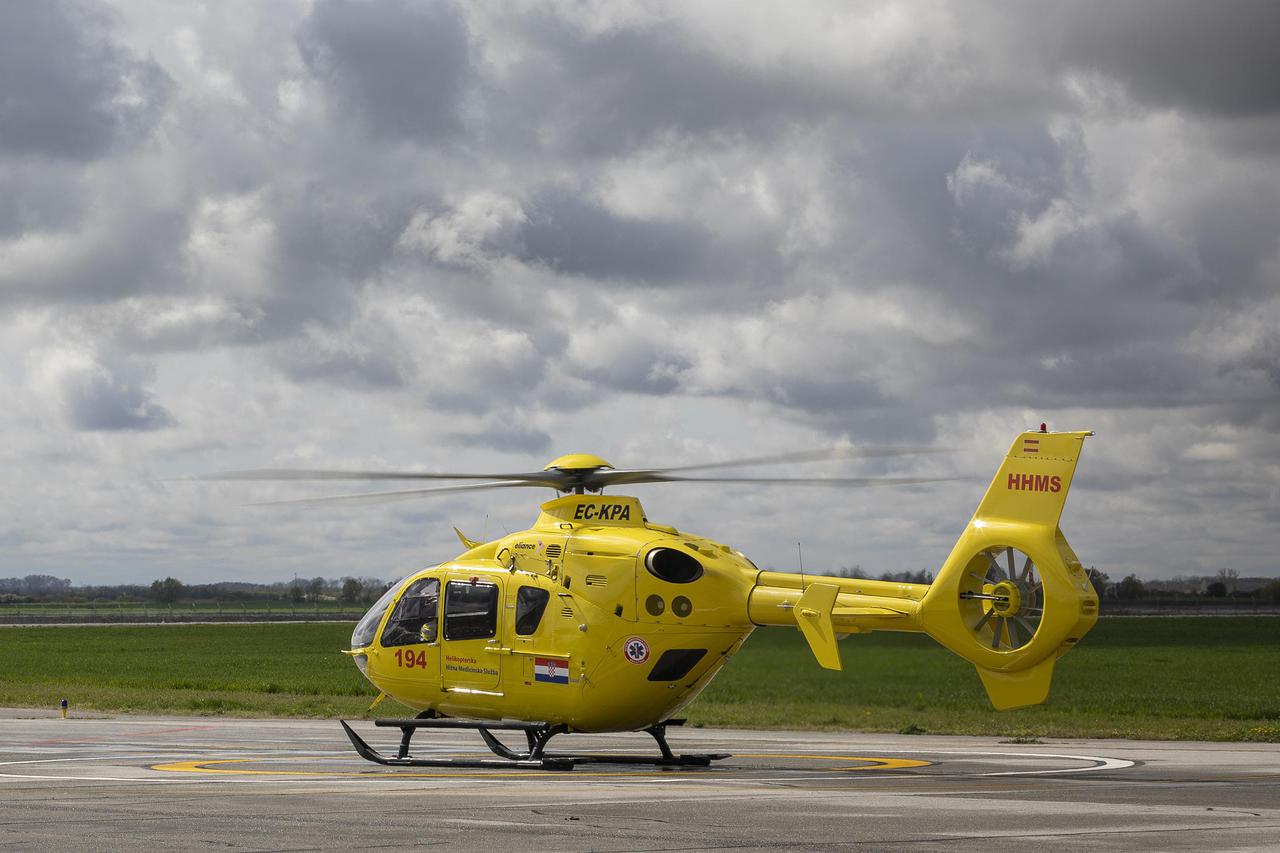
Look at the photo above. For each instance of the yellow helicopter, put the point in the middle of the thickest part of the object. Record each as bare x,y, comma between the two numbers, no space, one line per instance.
597,619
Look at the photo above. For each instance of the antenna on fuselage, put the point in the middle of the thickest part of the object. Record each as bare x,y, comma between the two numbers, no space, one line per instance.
800,553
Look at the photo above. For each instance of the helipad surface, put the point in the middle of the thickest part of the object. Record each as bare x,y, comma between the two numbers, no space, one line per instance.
128,783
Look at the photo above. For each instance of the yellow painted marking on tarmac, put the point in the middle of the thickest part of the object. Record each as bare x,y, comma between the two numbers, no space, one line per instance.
205,766
200,767
876,763
497,773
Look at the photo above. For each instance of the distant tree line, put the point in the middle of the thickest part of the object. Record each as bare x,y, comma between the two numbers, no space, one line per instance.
903,576
1226,584
167,590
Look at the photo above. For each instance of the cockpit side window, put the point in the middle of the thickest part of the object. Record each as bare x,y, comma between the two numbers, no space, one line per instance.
531,602
415,618
470,611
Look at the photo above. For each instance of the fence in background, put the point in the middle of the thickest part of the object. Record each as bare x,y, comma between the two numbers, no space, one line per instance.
91,613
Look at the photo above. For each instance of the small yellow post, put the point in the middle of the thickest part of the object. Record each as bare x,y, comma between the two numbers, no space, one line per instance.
64,709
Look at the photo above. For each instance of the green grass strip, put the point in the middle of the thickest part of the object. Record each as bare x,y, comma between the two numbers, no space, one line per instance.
1210,678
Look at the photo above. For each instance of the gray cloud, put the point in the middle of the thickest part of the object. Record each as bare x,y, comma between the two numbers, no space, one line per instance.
99,394
1211,59
505,440
365,368
402,66
1266,357
599,93
37,196
575,236
645,360
67,88
109,404
324,246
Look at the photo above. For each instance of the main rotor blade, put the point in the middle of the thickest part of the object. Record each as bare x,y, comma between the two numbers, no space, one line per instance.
592,479
830,453
607,478
390,497
409,494
282,474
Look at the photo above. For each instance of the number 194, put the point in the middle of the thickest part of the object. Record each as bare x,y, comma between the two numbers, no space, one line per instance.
411,659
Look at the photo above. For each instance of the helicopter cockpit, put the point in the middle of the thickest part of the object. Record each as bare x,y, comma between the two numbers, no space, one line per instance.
472,613
415,619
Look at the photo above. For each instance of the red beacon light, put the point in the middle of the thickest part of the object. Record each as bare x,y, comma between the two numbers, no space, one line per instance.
1044,427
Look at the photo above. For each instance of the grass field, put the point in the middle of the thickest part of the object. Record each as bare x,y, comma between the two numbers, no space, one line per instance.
1210,678
140,608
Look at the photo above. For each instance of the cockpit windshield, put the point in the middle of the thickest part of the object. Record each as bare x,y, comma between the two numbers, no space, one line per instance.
362,636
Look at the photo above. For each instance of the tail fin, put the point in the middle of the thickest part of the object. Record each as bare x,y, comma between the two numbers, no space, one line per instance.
1012,596
1031,486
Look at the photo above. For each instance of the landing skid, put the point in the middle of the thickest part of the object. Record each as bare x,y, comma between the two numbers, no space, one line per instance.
536,758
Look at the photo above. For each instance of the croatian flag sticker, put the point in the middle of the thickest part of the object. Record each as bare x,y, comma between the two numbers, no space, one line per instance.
551,670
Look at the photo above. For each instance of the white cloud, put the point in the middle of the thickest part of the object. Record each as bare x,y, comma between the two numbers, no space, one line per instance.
475,228
1037,236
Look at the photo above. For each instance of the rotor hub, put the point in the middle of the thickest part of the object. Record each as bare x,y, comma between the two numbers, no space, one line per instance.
1007,599
578,462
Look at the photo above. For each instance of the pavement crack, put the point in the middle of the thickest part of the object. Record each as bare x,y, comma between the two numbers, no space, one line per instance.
1231,811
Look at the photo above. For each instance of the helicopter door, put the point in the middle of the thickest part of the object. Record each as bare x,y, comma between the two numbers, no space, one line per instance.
470,656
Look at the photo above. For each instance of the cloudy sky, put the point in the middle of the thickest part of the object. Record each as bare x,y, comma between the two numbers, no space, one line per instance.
478,235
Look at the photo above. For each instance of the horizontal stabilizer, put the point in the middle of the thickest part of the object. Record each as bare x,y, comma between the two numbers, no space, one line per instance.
813,615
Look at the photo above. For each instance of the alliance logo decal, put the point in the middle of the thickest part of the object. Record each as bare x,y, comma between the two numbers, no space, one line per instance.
636,650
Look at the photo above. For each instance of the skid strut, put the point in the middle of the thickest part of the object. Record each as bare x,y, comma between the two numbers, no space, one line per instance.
536,757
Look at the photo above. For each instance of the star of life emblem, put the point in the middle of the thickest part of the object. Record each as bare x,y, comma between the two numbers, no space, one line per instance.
636,650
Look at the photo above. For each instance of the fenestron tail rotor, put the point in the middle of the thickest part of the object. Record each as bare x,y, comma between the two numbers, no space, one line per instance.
1003,601
583,473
